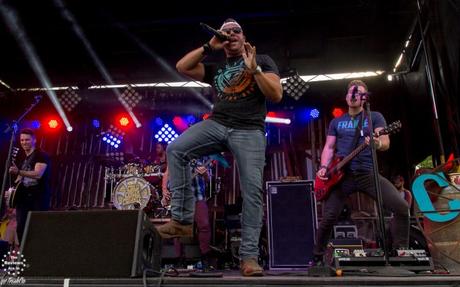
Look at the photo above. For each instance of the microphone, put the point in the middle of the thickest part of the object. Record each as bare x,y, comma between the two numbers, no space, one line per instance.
221,36
353,92
38,98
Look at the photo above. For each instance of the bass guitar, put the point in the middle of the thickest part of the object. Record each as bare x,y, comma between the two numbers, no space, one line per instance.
335,173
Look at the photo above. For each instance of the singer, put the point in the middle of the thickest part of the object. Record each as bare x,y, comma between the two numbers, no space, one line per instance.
344,135
243,82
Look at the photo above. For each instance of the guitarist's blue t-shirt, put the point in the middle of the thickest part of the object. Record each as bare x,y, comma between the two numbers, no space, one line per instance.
344,128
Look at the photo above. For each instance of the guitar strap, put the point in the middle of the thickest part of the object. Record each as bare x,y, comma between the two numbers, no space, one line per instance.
358,130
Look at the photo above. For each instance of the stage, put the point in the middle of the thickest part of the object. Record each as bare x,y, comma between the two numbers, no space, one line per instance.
233,278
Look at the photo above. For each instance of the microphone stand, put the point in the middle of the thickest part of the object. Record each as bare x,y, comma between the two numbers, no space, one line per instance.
388,269
13,129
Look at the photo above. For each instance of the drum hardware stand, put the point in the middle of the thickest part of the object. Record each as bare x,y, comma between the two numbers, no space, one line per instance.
13,129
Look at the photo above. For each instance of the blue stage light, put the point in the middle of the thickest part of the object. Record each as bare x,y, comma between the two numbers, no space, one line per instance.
158,121
36,124
314,113
96,123
190,119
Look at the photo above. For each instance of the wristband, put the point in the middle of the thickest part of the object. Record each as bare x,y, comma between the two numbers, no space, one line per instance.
207,49
257,70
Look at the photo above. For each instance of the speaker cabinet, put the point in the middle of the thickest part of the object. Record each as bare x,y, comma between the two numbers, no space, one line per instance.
103,243
291,216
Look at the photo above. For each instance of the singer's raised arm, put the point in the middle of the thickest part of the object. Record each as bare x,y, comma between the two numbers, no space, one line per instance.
190,65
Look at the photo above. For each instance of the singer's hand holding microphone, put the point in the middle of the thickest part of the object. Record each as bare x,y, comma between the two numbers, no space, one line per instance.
218,40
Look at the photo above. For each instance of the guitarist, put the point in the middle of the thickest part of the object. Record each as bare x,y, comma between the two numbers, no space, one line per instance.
344,135
33,192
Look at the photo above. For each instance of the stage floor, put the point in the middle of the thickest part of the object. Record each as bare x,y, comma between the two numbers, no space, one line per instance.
232,278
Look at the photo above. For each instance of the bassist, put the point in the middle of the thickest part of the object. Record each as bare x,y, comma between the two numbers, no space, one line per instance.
344,135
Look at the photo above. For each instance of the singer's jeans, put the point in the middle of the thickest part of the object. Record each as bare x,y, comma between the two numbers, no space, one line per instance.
363,182
248,148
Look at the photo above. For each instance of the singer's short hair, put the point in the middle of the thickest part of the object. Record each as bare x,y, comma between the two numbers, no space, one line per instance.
357,83
230,20
27,131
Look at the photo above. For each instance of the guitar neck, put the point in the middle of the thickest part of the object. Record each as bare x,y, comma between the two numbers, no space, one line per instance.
392,128
349,157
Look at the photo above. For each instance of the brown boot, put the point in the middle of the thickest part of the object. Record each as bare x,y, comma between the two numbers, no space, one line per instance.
175,229
250,267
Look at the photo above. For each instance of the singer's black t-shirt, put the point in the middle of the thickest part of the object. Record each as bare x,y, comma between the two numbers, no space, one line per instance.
240,103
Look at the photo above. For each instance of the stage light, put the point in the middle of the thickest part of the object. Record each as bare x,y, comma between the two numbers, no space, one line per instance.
116,155
130,97
166,134
390,78
53,124
337,112
314,113
278,120
180,123
206,116
36,124
96,123
113,136
69,99
69,128
271,114
158,121
124,121
295,87
190,120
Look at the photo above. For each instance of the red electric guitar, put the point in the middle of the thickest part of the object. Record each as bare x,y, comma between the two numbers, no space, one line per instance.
335,173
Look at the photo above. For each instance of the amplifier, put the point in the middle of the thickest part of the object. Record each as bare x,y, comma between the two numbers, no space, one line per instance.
291,222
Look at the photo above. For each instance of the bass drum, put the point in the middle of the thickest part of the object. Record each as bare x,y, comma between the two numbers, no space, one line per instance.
133,193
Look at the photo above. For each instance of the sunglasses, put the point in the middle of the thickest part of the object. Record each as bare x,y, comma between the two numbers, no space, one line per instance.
235,30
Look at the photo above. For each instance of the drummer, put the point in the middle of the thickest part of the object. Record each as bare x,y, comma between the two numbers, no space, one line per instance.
160,156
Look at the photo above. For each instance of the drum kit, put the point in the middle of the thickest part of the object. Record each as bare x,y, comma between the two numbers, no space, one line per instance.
135,185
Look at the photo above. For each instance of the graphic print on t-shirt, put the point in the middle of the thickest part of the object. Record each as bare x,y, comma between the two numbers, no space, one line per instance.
27,166
234,82
351,124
